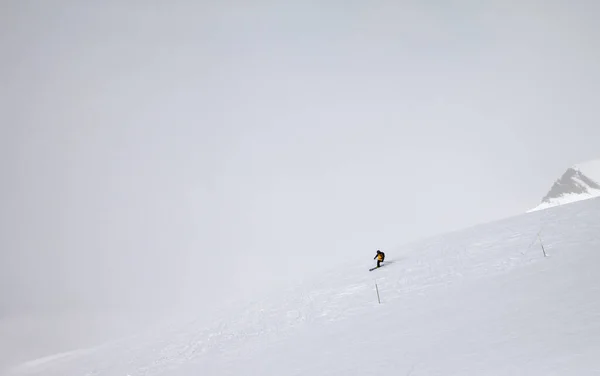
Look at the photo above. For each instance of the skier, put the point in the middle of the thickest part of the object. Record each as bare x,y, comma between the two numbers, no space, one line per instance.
380,256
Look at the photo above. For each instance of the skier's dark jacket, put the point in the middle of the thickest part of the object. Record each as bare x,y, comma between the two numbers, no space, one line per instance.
380,256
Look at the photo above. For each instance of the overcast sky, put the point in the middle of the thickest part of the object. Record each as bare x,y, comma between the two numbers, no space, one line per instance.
185,151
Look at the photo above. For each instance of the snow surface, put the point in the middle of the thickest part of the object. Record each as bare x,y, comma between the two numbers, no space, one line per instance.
567,199
483,301
589,170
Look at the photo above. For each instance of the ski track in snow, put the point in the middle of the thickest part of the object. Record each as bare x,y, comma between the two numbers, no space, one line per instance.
480,301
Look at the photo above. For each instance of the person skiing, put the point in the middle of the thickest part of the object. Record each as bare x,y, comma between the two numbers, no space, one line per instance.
380,256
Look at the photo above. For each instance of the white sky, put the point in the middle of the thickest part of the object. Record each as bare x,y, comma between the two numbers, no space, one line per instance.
190,152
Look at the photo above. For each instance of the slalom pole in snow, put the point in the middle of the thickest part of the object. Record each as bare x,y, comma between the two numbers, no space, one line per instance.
377,289
542,245
541,229
538,237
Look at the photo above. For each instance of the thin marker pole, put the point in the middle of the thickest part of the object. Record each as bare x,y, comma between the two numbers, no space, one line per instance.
542,244
377,289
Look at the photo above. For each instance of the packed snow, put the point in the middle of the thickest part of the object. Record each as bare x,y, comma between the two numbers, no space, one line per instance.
483,301
567,199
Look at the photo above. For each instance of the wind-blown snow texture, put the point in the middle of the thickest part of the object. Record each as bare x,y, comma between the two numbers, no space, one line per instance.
580,182
484,301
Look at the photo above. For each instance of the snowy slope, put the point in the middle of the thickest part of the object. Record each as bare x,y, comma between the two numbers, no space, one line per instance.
579,182
484,301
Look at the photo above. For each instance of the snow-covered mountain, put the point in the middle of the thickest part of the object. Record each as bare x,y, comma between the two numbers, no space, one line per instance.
579,182
483,301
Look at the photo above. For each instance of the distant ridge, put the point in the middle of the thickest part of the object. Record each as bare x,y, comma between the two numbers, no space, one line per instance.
579,182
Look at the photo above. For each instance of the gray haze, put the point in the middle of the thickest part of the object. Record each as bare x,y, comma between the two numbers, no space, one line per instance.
180,153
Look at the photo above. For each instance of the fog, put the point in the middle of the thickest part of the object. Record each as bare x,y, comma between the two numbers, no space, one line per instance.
160,157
